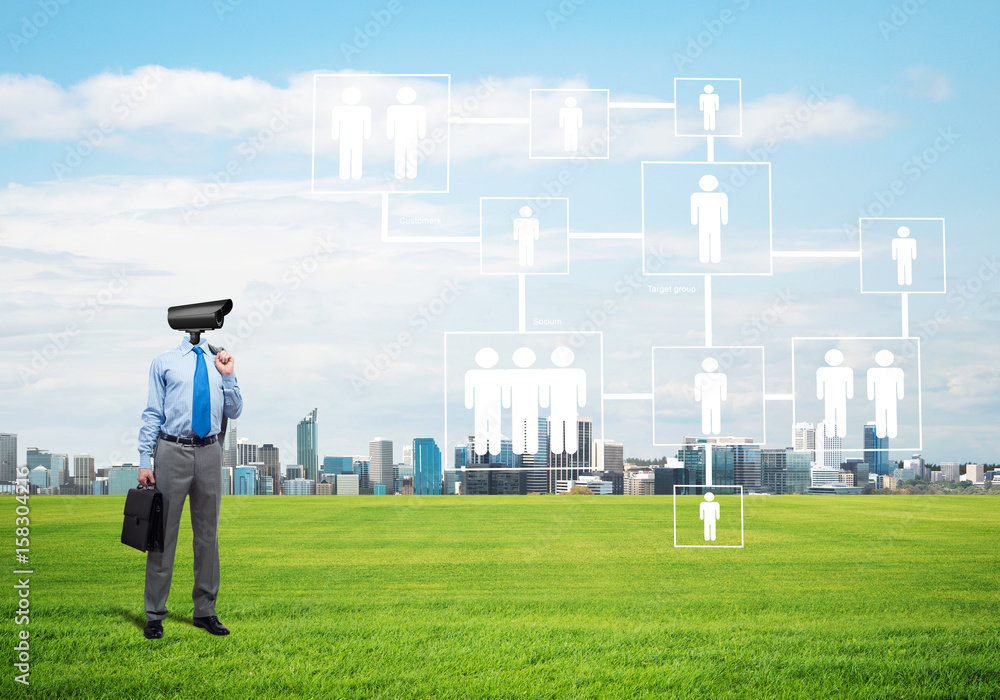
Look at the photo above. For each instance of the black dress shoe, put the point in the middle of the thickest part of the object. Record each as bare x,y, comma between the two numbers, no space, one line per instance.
153,629
211,624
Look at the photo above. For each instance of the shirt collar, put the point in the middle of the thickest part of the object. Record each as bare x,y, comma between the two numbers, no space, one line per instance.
185,346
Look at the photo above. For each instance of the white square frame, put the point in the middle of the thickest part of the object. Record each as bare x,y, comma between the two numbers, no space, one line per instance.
861,253
739,87
607,124
523,199
770,219
711,546
387,190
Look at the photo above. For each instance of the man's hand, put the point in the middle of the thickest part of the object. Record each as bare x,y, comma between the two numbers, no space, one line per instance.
146,477
225,363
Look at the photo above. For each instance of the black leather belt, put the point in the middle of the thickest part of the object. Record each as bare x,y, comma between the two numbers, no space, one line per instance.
200,442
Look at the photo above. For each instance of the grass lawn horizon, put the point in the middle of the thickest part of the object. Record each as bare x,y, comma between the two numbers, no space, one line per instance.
527,597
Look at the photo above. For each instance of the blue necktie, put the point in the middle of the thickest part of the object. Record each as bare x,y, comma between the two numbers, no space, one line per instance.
201,404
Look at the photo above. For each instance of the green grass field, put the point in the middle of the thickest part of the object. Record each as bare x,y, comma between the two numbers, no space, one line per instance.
527,597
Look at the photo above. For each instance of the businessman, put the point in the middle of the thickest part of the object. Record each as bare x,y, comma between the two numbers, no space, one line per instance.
189,390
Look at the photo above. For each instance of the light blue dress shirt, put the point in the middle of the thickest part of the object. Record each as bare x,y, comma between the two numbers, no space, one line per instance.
171,394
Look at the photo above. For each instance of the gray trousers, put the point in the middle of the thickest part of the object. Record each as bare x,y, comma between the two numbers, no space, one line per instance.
181,471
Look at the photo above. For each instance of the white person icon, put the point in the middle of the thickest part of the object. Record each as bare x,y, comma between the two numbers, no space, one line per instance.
483,394
406,124
708,103
570,121
710,388
834,386
709,511
709,212
524,391
885,388
352,124
904,252
568,387
526,233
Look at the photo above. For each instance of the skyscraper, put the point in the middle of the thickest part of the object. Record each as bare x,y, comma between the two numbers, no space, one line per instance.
565,466
307,453
246,452
609,456
805,438
338,465
83,472
270,456
229,454
875,455
361,468
8,457
380,462
537,465
829,446
426,467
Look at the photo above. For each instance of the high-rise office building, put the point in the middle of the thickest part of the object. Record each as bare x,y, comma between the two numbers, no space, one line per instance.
246,452
121,479
828,446
338,465
380,462
875,455
294,471
609,456
230,457
786,471
245,480
536,466
564,466
306,444
347,484
919,468
39,478
300,487
426,467
362,467
408,455
804,438
950,471
8,457
641,483
83,473
270,455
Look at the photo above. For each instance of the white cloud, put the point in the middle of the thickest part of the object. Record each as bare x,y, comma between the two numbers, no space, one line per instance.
927,83
800,116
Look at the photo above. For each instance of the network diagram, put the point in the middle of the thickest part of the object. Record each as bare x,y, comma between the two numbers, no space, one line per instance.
390,135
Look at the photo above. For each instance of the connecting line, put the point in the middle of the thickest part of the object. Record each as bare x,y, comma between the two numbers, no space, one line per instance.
520,303
386,238
641,105
708,311
905,298
489,120
627,397
600,234
815,253
711,149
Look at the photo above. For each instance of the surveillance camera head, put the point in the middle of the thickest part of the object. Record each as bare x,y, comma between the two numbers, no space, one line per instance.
195,319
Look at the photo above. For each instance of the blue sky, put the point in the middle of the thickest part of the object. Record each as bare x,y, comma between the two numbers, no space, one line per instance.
899,75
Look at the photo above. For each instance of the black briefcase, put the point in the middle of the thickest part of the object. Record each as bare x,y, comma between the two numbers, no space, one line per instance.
143,526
